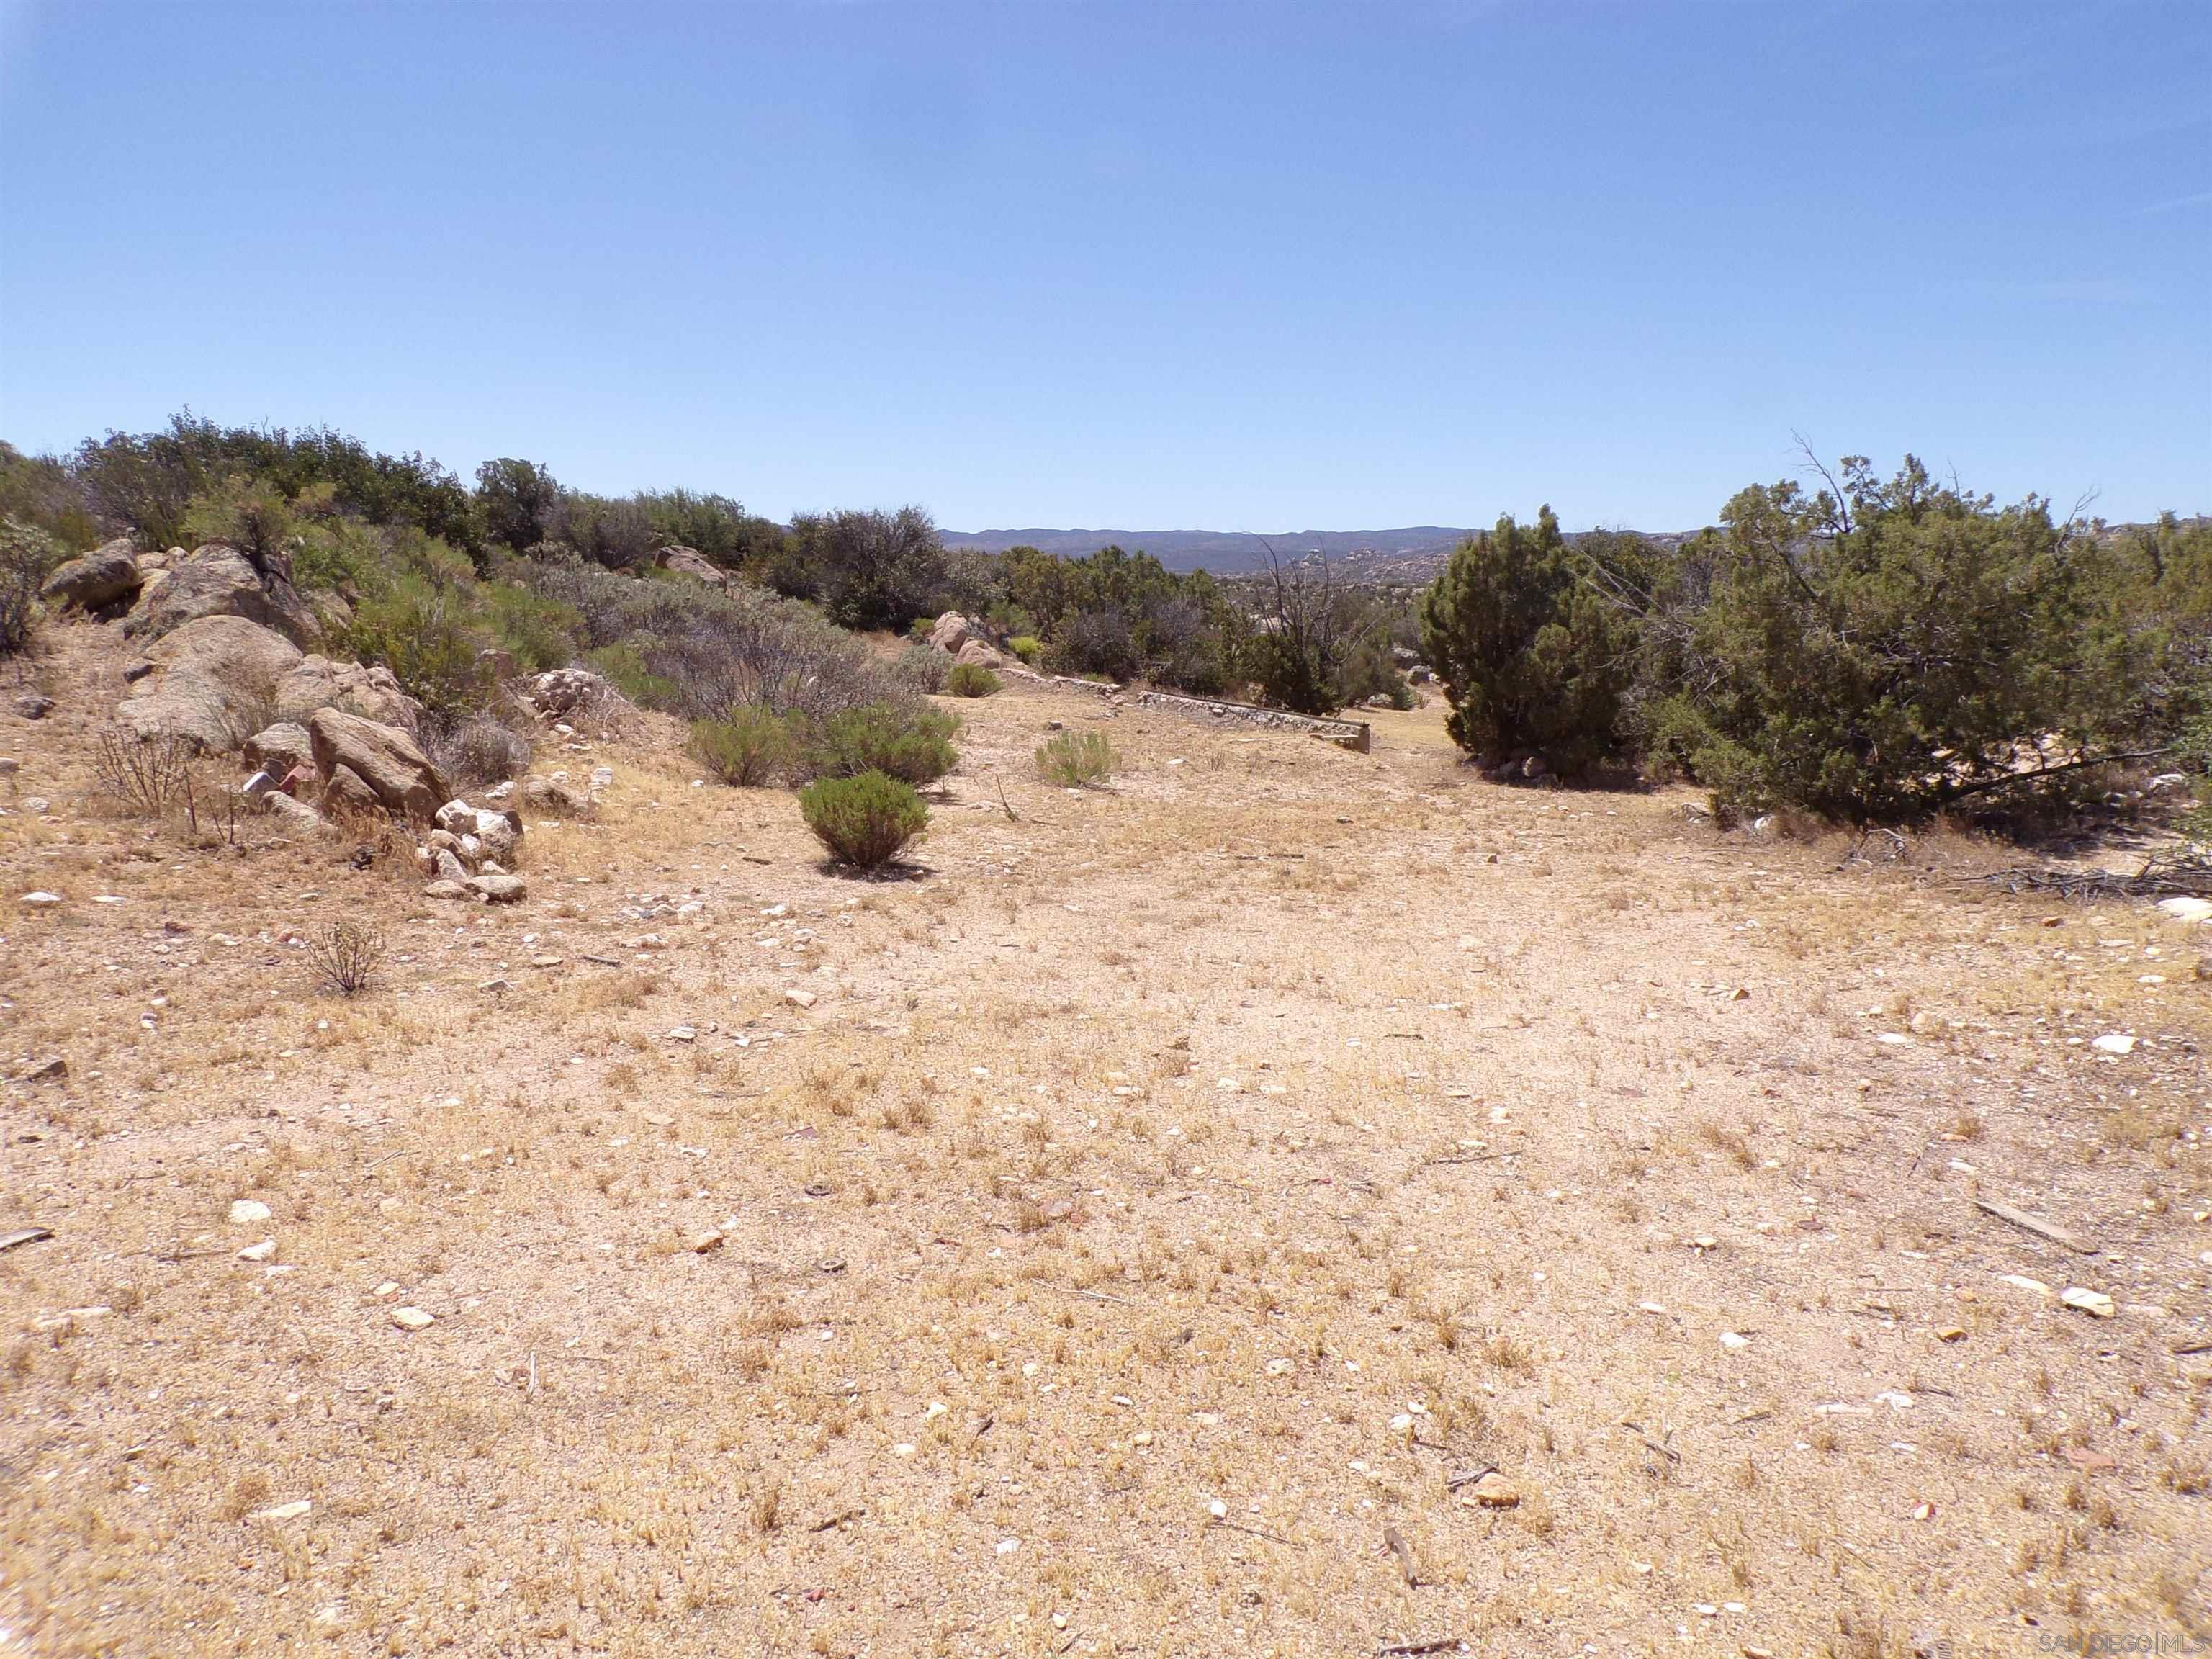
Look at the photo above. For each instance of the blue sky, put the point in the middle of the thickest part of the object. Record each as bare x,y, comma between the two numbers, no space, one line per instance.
1167,266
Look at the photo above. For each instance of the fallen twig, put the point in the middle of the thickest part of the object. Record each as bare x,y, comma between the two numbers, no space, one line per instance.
24,1236
1438,1645
1255,1532
2036,1225
1094,1296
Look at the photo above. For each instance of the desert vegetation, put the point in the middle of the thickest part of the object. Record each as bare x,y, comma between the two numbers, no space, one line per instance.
1875,650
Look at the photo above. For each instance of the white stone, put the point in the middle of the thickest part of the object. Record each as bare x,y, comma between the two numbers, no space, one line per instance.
245,1212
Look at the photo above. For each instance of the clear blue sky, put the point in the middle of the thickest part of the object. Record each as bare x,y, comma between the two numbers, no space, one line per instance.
1168,265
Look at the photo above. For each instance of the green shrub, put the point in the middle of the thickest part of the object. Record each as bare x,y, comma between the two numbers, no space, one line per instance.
920,629
624,666
1533,658
1027,647
1078,759
864,820
749,746
249,513
909,741
971,680
539,633
1876,653
26,556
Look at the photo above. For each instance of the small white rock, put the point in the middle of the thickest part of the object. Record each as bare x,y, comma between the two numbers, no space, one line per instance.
245,1212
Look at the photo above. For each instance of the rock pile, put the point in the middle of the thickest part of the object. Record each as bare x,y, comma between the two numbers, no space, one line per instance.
468,854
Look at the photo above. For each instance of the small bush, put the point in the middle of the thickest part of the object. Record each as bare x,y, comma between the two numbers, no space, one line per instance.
1078,759
142,776
345,955
748,747
971,680
909,741
1027,647
477,750
920,669
26,557
865,821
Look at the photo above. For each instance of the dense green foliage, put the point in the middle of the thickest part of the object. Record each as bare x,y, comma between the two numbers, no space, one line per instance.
1873,651
1123,615
1535,658
866,820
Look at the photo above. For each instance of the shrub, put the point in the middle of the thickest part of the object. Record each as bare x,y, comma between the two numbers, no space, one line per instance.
345,955
919,670
517,502
475,749
748,747
623,667
249,513
865,820
142,776
971,680
909,741
538,633
872,568
1027,647
1534,658
1877,653
1078,759
26,557
698,651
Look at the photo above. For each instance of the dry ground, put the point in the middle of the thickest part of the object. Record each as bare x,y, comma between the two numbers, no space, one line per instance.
1168,1195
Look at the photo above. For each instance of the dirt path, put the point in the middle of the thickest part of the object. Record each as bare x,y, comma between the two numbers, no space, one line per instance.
1165,1200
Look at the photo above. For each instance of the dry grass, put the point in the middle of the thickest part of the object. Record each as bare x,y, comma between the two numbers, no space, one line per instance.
1164,1147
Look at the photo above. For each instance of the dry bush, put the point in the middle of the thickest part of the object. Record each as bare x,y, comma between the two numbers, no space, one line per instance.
1078,759
145,776
477,748
346,954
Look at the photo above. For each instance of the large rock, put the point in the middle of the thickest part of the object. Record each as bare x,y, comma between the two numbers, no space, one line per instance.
296,813
497,890
216,683
277,750
689,561
343,791
220,581
496,834
106,575
950,632
370,691
384,757
974,651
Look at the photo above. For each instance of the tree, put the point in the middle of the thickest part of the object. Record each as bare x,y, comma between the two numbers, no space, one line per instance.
1877,649
1300,652
877,569
1533,657
520,502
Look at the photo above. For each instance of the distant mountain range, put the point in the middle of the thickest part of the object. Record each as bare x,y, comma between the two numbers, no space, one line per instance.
1228,552
1413,553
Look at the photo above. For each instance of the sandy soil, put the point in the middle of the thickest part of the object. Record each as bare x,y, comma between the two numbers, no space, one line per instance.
1171,1198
